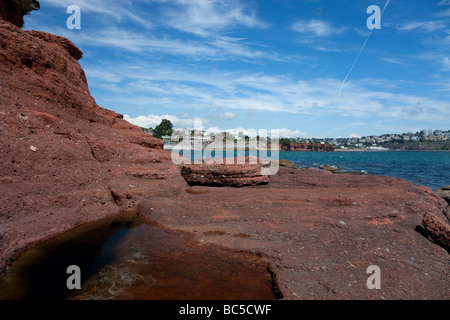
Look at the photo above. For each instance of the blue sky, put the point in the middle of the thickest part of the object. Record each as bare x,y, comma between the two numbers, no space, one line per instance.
268,64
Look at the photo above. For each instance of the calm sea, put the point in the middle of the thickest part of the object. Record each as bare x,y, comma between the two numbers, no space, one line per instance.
431,169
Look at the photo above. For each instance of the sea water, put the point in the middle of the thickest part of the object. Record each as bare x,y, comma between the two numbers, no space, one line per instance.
423,168
431,169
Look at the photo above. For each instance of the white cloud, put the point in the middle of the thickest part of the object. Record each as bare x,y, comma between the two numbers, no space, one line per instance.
445,13
354,135
104,75
240,91
291,133
110,8
328,49
207,17
286,133
392,60
227,115
212,130
129,41
443,61
153,120
198,123
350,125
446,63
424,26
316,27
123,40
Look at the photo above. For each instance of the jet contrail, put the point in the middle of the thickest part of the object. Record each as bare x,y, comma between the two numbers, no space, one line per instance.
357,57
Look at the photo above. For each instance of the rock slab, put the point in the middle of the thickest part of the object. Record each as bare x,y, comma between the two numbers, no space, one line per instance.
233,175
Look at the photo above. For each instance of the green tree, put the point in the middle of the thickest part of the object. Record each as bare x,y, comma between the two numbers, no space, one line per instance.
165,128
285,141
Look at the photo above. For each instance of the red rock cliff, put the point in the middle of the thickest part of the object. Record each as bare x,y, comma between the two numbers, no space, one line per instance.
14,10
65,160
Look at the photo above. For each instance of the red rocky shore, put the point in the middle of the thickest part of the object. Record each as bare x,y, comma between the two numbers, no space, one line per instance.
321,231
67,161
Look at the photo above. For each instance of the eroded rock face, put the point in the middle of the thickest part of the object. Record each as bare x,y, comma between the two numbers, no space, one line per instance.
14,10
65,160
11,12
329,168
233,175
287,164
437,226
444,192
438,229
307,147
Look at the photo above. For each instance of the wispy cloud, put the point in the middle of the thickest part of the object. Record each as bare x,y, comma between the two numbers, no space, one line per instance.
138,42
227,115
118,10
317,28
223,60
392,60
209,17
445,13
236,92
186,122
440,59
152,120
350,125
358,55
446,63
423,26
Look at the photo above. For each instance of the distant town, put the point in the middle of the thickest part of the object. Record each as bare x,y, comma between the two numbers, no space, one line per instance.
426,139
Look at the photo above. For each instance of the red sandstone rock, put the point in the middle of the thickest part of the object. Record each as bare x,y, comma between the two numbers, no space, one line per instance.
287,164
65,160
444,192
320,232
306,147
329,168
234,175
11,12
438,229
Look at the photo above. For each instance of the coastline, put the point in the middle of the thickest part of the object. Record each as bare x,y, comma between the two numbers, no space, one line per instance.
69,162
364,150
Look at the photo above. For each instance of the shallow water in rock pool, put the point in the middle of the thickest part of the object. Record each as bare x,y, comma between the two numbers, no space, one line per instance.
129,259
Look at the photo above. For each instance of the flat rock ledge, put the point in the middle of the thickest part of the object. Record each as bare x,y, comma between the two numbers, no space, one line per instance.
210,173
